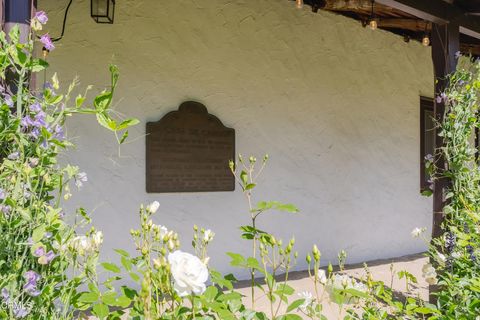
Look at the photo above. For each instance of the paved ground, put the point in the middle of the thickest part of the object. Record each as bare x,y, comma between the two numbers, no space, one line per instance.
381,270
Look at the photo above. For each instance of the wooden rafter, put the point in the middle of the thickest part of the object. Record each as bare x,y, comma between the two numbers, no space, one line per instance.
438,11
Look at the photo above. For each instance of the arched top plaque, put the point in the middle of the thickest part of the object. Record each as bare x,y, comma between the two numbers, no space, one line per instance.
188,150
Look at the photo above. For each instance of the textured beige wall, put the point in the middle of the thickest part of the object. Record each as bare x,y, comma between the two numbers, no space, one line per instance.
335,105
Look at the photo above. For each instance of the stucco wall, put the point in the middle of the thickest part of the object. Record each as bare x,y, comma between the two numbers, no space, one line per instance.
336,107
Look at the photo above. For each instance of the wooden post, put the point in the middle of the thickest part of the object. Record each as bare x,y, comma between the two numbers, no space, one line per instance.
445,45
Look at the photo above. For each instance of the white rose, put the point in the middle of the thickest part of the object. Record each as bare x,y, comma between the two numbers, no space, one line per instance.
97,238
81,244
208,236
189,273
308,299
153,207
417,232
322,276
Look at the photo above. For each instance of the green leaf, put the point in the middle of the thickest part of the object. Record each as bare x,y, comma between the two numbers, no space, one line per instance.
124,137
128,123
250,186
79,100
123,253
38,233
134,276
126,263
88,297
237,259
105,121
102,101
100,310
295,305
109,298
110,267
210,293
244,177
285,289
38,65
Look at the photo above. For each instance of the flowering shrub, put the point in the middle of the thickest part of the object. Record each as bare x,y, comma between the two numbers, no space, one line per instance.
43,260
455,255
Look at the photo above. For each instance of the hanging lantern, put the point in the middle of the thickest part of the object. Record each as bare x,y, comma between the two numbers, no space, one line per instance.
103,11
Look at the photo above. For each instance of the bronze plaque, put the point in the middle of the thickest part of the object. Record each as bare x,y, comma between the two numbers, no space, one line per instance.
188,151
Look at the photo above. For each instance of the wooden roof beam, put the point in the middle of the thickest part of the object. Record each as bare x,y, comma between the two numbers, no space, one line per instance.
439,12
416,25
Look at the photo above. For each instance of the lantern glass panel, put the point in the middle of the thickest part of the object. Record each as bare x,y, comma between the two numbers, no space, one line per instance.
103,11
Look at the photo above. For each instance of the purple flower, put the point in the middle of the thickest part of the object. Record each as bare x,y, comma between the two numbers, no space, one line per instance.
44,257
32,276
61,214
5,209
35,133
5,295
57,132
48,235
450,242
14,155
41,16
19,311
458,54
26,122
442,97
40,251
47,42
429,157
44,144
40,120
31,286
36,107
8,100
50,256
2,194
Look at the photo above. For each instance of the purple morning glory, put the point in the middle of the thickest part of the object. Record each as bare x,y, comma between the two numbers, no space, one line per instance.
41,16
458,54
2,194
47,42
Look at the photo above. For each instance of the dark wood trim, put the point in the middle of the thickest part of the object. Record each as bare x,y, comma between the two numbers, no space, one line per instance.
426,104
438,11
445,44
